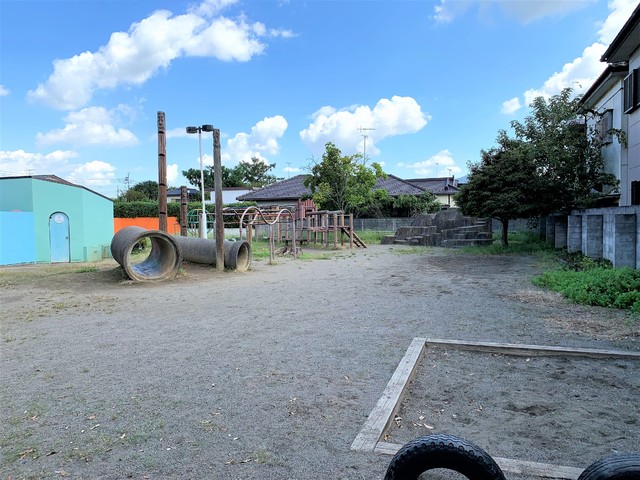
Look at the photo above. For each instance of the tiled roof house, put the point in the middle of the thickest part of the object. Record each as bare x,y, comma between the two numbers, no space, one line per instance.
289,191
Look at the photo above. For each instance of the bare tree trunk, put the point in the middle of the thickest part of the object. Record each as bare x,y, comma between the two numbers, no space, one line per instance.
505,232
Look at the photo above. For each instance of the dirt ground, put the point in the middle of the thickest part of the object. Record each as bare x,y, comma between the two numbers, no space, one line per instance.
272,373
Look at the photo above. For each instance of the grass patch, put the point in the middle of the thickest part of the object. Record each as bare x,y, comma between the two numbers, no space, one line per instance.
520,243
260,251
373,237
592,282
31,273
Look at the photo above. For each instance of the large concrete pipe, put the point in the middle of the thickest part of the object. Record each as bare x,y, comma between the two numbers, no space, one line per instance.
237,255
163,261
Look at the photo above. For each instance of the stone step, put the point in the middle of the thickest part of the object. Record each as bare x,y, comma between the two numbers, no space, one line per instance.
451,243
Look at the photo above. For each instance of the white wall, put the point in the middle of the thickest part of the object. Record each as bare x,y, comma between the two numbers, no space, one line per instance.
633,133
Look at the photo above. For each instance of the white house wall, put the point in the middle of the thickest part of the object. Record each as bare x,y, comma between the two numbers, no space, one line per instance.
633,134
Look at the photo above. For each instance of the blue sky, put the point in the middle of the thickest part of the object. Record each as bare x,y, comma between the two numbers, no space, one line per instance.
81,81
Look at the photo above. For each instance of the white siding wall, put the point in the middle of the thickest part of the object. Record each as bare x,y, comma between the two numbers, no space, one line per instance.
633,133
614,155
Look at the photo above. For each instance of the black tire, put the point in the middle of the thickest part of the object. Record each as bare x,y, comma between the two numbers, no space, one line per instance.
442,451
614,467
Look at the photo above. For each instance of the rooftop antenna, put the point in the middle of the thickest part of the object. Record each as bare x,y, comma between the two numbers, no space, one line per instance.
289,168
364,145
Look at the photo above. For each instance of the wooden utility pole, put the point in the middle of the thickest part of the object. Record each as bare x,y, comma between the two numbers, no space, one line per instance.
217,182
184,199
162,174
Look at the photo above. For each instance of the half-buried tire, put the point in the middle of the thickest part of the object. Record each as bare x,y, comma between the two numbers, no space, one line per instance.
625,466
442,451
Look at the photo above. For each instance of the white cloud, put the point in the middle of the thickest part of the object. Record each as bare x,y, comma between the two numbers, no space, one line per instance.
524,11
89,126
209,8
439,165
131,58
4,91
621,10
263,140
581,72
172,173
578,74
510,106
93,174
398,116
291,169
19,162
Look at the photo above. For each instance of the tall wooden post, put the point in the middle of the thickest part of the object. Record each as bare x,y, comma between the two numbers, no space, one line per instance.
217,182
184,199
162,174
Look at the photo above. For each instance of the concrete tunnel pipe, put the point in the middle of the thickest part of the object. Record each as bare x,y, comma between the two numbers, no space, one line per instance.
237,255
164,259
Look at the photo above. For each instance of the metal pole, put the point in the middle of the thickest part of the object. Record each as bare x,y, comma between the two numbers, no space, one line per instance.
217,182
203,218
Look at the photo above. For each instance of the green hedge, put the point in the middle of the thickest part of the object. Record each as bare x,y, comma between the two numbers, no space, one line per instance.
150,209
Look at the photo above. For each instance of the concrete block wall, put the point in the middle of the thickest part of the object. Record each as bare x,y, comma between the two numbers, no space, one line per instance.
574,234
560,230
609,233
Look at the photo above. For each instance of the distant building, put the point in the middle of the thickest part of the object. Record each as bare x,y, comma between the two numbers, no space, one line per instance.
45,219
229,194
444,188
288,192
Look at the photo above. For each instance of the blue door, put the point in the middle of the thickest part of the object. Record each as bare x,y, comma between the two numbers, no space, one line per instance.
59,238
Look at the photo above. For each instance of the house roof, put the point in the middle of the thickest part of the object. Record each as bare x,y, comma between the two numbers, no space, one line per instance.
175,192
56,179
289,189
611,75
396,186
625,42
437,186
293,189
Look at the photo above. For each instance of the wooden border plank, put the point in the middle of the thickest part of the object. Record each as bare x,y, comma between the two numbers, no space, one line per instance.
522,467
388,403
516,349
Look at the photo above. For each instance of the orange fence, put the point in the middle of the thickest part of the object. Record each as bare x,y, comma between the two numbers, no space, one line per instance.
150,223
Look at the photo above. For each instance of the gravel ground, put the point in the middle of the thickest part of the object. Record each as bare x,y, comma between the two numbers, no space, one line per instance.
271,373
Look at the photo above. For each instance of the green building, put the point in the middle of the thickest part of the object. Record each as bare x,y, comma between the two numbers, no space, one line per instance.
45,219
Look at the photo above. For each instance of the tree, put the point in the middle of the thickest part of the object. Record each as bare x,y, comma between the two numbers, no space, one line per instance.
342,182
149,188
246,174
566,151
417,204
256,173
505,185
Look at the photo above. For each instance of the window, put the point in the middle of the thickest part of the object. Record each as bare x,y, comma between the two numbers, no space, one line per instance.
630,88
604,126
635,193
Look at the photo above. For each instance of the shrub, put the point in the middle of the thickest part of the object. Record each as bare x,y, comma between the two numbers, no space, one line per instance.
600,286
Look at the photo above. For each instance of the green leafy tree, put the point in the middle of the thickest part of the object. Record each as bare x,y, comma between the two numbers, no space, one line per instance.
132,195
246,174
416,204
231,177
255,173
149,188
342,182
505,185
566,151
